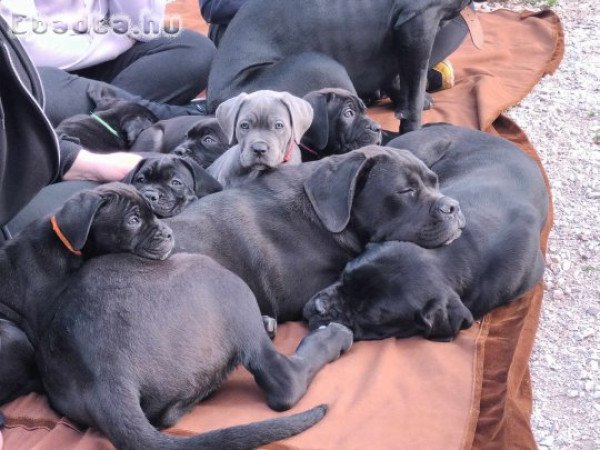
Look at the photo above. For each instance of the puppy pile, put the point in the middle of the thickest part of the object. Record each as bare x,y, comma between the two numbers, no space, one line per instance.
283,206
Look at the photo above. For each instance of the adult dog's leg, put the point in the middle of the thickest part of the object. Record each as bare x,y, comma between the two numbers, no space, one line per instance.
414,40
286,379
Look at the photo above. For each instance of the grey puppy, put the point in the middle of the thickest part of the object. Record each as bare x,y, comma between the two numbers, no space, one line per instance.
174,335
289,234
399,289
266,127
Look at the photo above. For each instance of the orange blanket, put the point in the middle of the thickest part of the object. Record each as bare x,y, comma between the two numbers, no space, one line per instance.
412,393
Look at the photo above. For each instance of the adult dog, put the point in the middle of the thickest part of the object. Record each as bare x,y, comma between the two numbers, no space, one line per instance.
170,183
173,336
400,289
267,126
114,125
362,46
289,233
340,124
199,138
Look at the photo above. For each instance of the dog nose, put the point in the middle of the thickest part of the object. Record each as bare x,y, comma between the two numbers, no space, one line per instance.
181,151
165,232
445,207
374,126
152,196
259,148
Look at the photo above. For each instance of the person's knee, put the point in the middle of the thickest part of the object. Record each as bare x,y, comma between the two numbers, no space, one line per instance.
201,52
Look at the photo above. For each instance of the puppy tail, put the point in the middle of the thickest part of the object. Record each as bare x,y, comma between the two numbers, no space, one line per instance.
128,428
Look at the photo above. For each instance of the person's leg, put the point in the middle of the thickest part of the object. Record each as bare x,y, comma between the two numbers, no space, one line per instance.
47,200
67,95
167,69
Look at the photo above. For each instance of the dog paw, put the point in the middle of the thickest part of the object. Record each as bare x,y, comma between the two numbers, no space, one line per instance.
341,334
270,325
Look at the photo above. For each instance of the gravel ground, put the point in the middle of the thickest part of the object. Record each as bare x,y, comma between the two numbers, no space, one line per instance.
562,119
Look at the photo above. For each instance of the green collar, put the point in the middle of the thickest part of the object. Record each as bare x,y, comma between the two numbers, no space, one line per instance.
105,124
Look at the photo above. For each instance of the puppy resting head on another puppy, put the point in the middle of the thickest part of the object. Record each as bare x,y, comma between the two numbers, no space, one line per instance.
170,183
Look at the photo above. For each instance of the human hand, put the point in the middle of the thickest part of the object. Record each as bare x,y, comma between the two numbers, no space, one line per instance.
101,167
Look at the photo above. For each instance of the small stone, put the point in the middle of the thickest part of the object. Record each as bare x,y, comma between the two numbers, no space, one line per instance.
589,386
558,294
594,365
587,333
572,393
548,441
565,265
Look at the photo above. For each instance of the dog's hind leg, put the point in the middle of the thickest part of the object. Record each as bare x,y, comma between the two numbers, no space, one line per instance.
286,379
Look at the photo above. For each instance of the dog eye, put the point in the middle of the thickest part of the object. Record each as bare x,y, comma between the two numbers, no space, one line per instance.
348,113
140,179
406,191
134,220
244,125
278,125
208,140
176,182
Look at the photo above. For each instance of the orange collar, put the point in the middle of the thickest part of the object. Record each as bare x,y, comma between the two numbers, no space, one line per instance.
62,237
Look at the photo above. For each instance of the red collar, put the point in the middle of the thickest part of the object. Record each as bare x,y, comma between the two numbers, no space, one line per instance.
62,237
288,154
308,149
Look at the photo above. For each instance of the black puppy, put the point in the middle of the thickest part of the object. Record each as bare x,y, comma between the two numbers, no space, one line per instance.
123,342
290,233
400,289
340,124
199,138
18,373
114,125
359,46
170,183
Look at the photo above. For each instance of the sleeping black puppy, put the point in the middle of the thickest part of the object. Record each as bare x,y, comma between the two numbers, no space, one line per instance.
170,183
199,138
114,124
399,289
340,124
177,326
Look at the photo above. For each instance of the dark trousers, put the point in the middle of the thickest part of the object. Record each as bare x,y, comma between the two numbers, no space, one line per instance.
160,74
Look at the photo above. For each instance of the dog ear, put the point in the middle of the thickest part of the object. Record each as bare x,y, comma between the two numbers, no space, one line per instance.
204,183
132,127
76,216
441,321
301,114
102,95
227,114
318,132
131,175
331,189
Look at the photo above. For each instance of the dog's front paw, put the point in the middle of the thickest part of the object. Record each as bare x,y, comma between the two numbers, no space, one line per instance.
340,334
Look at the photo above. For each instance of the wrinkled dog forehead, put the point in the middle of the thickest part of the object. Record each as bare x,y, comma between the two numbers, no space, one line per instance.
262,110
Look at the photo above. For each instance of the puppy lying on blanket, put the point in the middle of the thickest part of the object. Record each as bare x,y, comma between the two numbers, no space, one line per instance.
266,126
199,138
170,183
289,233
360,46
174,335
400,289
114,125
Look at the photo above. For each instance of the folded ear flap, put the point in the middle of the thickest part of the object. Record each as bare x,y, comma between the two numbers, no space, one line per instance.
131,175
227,114
318,132
76,216
204,183
331,189
441,321
102,95
301,114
